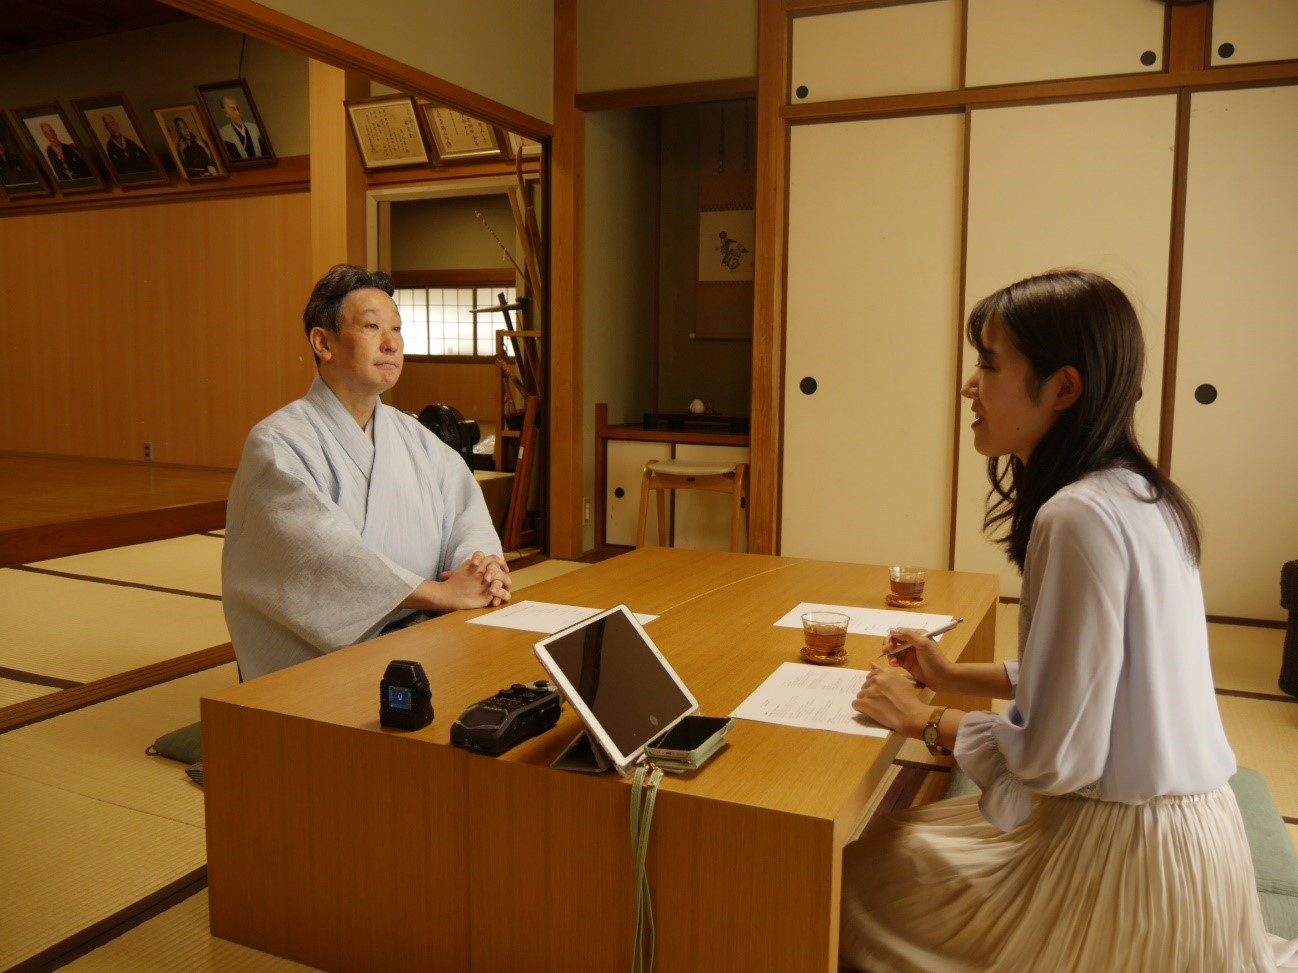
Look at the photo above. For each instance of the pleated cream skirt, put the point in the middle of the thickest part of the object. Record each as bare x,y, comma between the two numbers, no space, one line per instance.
1085,885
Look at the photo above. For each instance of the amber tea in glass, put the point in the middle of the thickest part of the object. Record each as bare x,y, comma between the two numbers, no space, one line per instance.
906,584
824,636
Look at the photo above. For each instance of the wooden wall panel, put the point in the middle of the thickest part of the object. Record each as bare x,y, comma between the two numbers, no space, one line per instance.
175,324
473,389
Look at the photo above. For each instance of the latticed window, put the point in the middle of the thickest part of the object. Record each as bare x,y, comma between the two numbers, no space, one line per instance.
439,321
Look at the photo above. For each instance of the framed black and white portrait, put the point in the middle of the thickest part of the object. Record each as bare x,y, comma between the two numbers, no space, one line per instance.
116,130
66,160
240,133
19,175
193,149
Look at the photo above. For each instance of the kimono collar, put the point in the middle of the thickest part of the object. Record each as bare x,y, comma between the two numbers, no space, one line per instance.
355,442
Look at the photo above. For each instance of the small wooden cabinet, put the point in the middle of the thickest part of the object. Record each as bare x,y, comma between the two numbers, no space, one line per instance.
699,521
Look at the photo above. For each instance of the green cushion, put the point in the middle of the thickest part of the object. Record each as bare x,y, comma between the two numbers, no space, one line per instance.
185,744
1274,858
960,784
1275,862
1280,914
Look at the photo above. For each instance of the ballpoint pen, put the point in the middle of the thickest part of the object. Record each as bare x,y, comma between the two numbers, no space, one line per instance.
940,630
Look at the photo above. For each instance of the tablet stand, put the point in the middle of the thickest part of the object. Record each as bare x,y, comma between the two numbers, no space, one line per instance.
583,755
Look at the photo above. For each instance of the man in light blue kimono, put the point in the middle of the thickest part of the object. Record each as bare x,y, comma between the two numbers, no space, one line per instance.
346,515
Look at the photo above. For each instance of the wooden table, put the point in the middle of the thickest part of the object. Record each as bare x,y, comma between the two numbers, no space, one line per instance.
340,844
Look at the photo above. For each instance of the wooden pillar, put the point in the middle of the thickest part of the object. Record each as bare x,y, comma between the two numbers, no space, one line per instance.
768,299
337,177
565,405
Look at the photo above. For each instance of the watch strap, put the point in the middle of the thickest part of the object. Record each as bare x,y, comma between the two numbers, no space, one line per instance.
935,721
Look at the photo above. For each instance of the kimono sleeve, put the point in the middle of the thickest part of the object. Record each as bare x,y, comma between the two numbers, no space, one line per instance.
295,559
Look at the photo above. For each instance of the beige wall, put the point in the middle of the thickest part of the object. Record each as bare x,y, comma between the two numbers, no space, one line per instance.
159,67
621,222
501,49
637,44
444,234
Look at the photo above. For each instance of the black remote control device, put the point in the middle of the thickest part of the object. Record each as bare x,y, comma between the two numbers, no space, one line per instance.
507,718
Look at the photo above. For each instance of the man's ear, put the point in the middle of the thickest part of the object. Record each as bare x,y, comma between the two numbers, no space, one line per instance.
322,343
1068,388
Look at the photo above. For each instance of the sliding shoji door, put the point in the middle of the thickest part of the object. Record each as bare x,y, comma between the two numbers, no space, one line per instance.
872,339
1077,184
1236,409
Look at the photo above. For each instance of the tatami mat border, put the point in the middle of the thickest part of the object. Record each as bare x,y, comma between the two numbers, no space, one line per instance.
1265,697
113,581
109,928
87,694
36,679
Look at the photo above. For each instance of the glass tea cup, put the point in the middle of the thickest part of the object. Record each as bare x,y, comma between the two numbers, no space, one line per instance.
824,636
906,585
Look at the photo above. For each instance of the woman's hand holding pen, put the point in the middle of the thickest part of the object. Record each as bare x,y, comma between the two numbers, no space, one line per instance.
913,650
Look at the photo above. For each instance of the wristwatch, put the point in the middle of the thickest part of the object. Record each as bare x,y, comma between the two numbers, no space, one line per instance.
933,733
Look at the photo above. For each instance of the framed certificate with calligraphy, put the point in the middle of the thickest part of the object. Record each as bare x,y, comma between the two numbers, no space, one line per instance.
458,137
387,132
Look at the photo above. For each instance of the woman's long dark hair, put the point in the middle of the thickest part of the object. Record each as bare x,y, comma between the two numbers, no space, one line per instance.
1072,317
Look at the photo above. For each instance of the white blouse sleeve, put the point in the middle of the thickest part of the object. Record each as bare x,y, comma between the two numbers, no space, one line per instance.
1055,737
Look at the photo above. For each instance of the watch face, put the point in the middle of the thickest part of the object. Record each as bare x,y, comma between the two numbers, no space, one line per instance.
931,735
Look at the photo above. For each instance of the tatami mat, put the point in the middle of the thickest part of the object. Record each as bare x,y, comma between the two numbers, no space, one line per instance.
1245,658
178,941
92,825
191,563
98,752
12,691
70,861
1264,736
544,571
84,630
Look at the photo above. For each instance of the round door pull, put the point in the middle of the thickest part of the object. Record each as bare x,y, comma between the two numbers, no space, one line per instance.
808,386
1206,394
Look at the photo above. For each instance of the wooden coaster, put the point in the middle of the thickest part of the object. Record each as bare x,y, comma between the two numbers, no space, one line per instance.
832,659
896,602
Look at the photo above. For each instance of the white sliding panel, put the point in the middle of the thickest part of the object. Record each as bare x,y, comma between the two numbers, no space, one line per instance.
1245,31
876,51
1040,40
1084,184
1238,345
872,320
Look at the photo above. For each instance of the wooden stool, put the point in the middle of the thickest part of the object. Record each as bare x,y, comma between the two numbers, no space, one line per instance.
672,474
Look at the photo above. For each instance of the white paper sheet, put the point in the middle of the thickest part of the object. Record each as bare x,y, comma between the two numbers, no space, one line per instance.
813,697
867,621
542,616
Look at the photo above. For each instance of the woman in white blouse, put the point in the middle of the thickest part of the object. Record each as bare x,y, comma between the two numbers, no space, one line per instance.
1106,837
